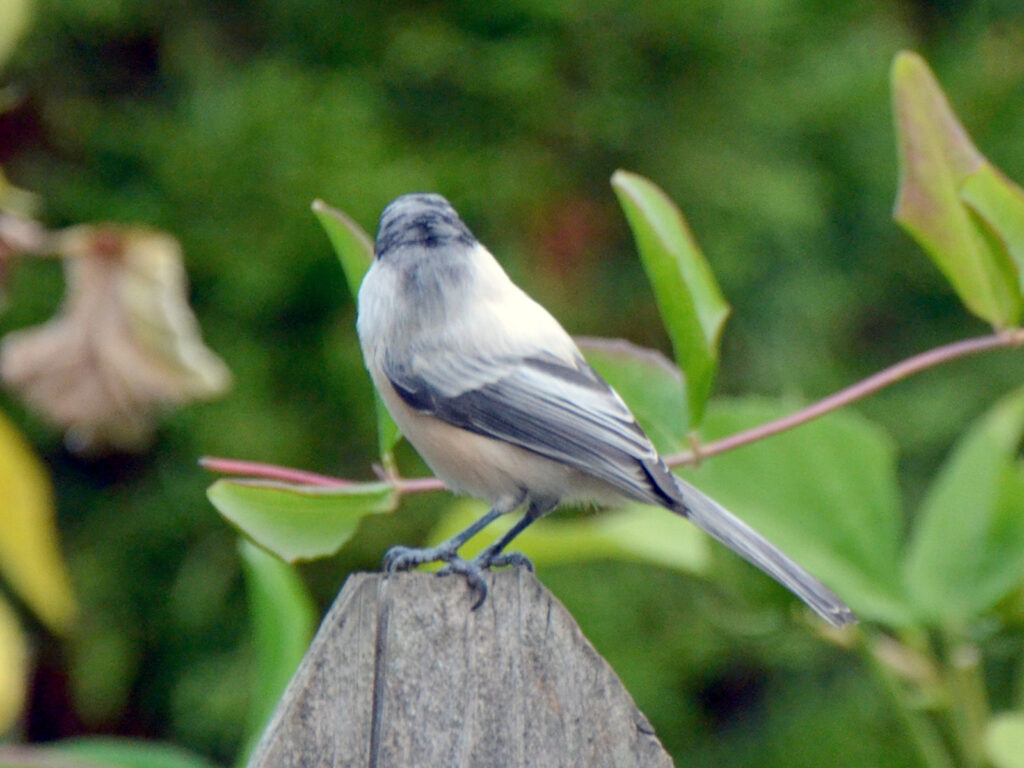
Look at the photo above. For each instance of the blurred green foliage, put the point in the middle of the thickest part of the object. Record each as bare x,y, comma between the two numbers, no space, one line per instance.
768,122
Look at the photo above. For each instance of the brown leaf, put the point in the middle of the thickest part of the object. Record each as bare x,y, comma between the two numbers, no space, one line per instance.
124,346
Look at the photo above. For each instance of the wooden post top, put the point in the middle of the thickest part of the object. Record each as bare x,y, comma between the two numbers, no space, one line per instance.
403,673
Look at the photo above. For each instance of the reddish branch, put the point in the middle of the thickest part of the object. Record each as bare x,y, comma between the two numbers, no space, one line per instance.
860,390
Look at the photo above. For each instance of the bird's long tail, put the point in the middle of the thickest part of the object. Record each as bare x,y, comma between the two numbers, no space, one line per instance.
718,522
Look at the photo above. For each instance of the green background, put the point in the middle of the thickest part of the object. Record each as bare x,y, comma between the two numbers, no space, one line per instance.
767,121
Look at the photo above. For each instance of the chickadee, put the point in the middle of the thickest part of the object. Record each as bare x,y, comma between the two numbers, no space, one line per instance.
501,405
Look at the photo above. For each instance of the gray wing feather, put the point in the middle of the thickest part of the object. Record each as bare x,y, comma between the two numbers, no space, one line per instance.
570,414
559,410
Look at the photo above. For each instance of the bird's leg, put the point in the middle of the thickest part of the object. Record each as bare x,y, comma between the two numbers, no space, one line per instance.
402,558
495,556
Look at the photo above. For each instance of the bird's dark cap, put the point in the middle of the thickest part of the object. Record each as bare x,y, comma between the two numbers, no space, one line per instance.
425,219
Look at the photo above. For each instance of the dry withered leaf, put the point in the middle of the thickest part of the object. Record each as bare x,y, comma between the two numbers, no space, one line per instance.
124,346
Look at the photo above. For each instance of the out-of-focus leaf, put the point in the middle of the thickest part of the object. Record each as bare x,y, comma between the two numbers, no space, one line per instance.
635,532
104,662
299,522
14,17
21,204
654,535
19,234
690,302
125,345
1004,740
14,660
25,756
967,549
650,384
936,157
354,249
351,243
825,493
387,432
284,618
1000,203
29,553
106,752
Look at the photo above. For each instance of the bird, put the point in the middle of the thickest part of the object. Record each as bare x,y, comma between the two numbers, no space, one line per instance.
499,402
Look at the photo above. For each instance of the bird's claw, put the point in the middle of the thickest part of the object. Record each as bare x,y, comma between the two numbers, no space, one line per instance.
474,575
474,569
402,558
508,559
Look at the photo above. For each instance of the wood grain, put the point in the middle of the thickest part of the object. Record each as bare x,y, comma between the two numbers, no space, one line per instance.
403,673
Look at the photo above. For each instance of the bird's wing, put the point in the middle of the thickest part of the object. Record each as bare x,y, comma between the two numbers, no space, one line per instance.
544,404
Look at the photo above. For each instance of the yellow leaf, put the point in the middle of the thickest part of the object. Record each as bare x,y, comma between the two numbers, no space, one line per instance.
14,17
30,557
19,203
13,667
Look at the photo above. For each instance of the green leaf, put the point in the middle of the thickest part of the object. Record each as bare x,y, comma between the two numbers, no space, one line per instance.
651,385
104,663
936,158
1000,203
1004,740
299,522
635,532
388,433
690,302
353,246
967,549
284,619
107,752
355,252
825,493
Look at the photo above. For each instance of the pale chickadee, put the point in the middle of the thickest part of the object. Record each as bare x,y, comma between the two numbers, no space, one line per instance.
501,405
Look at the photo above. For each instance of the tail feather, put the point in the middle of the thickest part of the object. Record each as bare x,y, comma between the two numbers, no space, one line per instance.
712,518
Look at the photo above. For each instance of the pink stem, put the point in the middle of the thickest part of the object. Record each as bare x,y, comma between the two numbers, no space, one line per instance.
840,399
301,477
269,472
418,484
858,391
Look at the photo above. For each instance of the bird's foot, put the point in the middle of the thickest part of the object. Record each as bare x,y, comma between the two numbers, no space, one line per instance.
474,577
403,558
474,569
488,559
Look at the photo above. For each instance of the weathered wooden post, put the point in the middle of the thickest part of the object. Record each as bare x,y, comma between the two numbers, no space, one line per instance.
403,673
